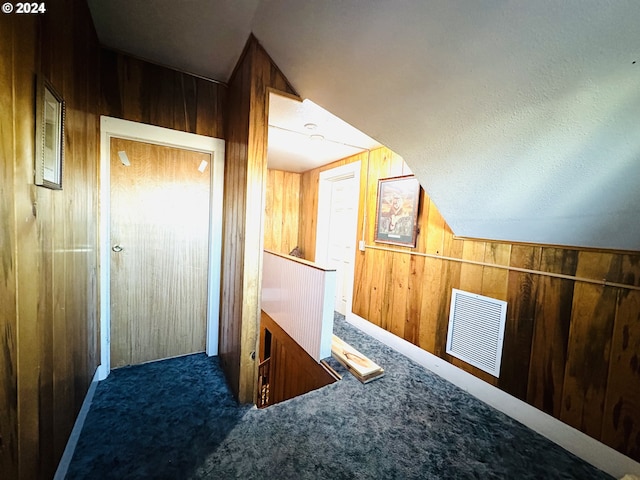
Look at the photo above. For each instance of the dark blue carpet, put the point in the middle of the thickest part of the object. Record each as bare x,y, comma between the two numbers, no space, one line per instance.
176,419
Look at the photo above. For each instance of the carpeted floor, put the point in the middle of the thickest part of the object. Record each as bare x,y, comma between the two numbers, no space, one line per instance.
176,419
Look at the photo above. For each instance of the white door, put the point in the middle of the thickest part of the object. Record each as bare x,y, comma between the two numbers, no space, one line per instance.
337,224
342,239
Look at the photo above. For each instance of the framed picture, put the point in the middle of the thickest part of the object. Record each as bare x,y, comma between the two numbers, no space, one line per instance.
49,136
397,211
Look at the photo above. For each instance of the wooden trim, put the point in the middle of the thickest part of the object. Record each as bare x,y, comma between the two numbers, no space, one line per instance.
603,282
301,261
330,370
550,245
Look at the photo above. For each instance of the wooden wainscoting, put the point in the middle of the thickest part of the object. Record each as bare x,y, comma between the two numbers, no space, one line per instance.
572,336
572,320
291,371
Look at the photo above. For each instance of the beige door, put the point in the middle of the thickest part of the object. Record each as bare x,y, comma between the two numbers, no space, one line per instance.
159,255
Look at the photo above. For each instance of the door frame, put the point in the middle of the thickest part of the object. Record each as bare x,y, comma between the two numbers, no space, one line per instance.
327,177
115,127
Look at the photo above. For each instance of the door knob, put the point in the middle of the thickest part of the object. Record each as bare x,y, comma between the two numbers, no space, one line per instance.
116,248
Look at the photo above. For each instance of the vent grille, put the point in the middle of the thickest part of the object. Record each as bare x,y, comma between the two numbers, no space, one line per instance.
476,330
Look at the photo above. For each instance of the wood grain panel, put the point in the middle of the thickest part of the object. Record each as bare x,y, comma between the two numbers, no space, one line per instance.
290,211
245,181
470,274
139,91
282,211
431,286
308,220
621,425
362,285
588,353
63,264
414,279
234,203
51,337
413,303
28,258
273,210
8,314
495,281
551,330
396,293
521,314
160,217
451,273
436,227
629,270
589,347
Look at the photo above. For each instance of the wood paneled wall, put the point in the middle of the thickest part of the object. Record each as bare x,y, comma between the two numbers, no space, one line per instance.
571,348
142,92
244,196
292,371
282,211
308,222
48,270
49,330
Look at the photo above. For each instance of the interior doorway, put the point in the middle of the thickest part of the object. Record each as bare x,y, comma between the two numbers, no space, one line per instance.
203,148
336,238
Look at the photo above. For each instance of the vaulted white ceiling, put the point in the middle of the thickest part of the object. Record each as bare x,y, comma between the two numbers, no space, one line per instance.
521,119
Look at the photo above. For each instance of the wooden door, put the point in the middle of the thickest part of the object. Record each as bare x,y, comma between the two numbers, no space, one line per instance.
342,238
159,256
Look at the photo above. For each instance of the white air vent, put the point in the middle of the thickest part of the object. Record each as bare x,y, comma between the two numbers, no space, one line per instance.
476,330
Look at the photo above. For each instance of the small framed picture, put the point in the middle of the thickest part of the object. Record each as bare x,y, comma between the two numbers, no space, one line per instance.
49,136
397,211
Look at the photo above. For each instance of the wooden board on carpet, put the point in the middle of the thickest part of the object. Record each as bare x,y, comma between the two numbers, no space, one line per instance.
360,366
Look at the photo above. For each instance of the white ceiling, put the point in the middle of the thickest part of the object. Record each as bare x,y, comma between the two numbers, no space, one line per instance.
303,136
520,118
203,37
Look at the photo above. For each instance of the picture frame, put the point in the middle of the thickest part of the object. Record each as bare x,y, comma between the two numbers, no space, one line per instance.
397,211
49,143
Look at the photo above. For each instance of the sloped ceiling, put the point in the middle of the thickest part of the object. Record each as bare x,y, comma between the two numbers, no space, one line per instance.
521,119
203,37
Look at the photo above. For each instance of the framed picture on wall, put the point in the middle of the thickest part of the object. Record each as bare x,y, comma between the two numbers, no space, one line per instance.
49,136
397,211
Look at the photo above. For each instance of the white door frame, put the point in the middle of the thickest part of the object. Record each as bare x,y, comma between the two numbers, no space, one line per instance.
115,127
327,177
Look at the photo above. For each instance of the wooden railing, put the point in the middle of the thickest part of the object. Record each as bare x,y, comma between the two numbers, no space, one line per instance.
264,369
